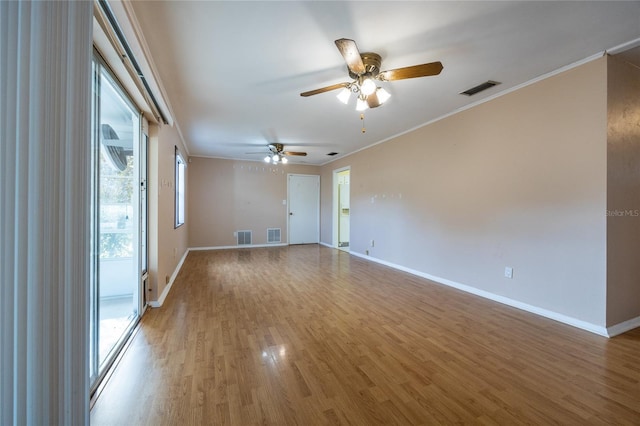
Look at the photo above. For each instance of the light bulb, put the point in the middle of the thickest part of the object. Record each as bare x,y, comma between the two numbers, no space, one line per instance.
275,158
367,87
383,95
361,105
344,95
284,160
267,159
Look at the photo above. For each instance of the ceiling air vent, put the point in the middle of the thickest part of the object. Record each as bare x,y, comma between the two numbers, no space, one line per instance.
331,154
480,87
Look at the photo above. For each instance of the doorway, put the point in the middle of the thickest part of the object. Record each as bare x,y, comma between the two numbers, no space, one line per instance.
341,208
304,209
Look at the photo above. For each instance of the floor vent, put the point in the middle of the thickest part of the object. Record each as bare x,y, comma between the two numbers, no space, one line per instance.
273,235
244,238
480,87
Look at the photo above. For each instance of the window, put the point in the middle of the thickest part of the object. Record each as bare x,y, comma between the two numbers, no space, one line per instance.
118,162
180,180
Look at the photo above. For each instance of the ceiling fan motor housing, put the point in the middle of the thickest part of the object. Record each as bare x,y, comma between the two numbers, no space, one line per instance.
372,63
276,148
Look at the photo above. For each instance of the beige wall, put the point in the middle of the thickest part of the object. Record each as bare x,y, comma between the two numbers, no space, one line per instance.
519,181
623,192
228,195
167,244
525,180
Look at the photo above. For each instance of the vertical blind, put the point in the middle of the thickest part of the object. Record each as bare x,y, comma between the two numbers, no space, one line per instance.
45,69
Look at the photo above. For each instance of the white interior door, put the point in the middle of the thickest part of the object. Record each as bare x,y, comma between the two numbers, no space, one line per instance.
304,209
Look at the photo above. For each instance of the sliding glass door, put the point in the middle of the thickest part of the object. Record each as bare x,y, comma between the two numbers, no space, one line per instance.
117,226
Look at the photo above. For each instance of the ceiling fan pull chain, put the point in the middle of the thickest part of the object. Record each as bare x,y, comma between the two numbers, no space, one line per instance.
362,119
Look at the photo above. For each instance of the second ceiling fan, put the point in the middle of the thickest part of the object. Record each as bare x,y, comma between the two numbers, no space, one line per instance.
364,69
277,154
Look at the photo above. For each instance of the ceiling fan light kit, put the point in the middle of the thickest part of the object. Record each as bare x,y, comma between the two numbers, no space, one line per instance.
364,69
275,159
344,95
366,94
361,104
367,87
383,95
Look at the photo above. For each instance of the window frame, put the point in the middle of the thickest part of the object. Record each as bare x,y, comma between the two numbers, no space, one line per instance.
103,74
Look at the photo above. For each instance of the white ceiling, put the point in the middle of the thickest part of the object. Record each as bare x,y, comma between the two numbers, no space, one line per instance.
233,70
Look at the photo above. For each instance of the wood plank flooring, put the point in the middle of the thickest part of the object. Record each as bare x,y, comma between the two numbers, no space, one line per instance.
309,335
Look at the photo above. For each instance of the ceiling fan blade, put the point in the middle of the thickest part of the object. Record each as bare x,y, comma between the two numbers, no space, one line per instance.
424,70
301,154
351,55
373,101
324,89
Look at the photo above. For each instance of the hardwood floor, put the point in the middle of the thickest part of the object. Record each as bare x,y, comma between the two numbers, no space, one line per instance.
310,335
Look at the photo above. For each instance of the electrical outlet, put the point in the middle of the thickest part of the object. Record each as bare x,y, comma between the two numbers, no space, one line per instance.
373,243
366,252
508,272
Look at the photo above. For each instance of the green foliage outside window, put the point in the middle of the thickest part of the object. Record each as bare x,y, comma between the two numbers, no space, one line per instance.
116,210
116,245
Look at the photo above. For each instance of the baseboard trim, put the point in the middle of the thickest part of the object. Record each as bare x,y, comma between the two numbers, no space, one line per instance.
623,327
237,247
326,245
158,303
587,326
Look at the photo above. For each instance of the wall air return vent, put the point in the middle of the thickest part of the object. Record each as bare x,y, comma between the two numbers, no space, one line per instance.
273,235
244,238
480,87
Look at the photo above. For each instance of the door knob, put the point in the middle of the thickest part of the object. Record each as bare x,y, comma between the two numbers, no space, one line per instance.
290,213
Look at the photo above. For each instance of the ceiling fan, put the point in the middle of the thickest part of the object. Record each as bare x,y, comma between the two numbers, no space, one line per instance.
116,151
277,154
364,69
